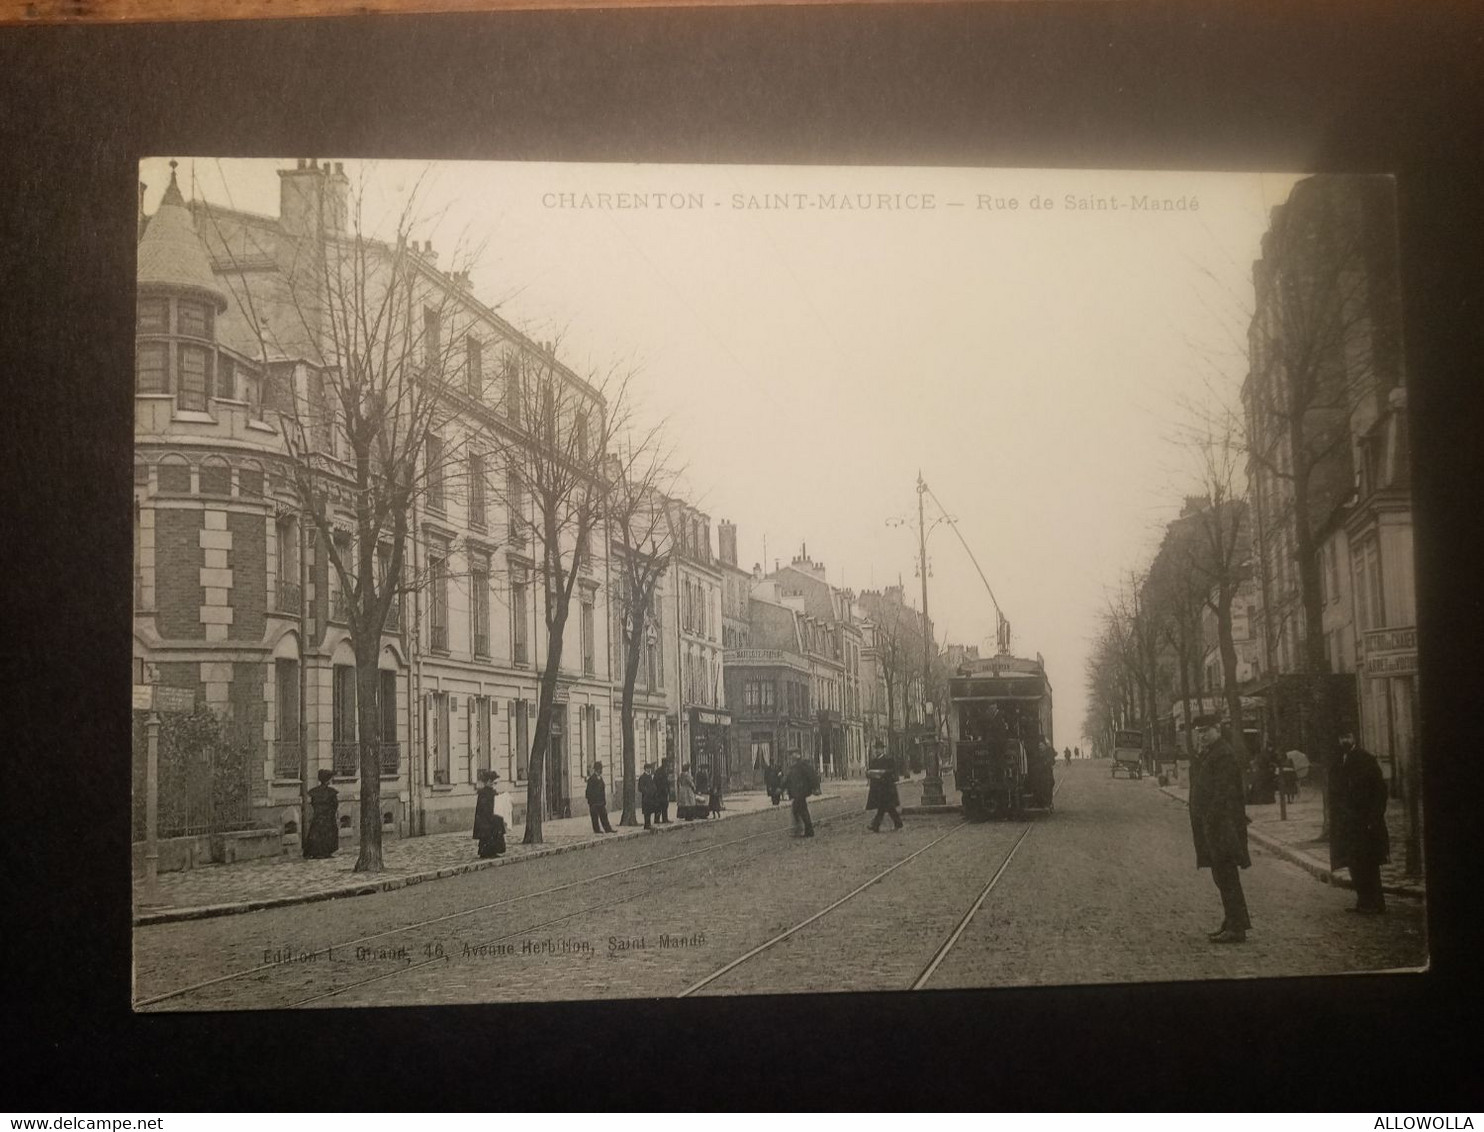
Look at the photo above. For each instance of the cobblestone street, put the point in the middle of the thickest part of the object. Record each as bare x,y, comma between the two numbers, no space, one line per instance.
1102,890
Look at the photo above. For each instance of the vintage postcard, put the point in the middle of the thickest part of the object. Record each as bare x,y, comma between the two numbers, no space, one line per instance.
577,581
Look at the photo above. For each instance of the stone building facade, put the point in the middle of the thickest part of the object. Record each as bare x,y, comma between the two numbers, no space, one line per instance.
235,597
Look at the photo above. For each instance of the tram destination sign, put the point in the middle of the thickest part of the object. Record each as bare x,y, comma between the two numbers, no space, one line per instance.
996,688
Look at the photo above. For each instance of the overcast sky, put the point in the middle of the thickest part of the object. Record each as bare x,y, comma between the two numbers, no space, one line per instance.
1035,364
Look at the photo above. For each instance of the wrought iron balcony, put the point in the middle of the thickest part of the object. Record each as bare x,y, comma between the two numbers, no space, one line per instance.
391,759
438,637
393,623
347,759
339,607
287,599
288,759
481,644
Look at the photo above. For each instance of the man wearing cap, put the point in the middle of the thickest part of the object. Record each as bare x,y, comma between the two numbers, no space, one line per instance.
1218,823
882,795
1359,839
646,794
489,826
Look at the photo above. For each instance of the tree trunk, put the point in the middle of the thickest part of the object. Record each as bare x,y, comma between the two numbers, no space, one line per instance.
541,743
368,728
1229,671
1320,737
630,679
1183,660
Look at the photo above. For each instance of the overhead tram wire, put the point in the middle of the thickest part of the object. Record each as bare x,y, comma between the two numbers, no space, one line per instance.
999,614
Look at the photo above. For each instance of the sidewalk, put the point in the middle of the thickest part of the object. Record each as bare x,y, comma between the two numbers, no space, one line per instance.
224,890
1297,839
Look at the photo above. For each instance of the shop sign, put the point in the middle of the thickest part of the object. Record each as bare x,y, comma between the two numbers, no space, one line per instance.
708,718
144,699
174,699
1389,652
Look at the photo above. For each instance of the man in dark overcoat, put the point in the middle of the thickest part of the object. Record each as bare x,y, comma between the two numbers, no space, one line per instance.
662,793
1358,838
597,800
322,837
801,781
773,781
646,794
882,795
1218,823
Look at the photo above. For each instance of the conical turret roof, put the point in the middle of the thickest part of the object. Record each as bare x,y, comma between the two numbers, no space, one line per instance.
171,254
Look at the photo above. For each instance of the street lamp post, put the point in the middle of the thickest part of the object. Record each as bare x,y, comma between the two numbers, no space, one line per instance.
932,783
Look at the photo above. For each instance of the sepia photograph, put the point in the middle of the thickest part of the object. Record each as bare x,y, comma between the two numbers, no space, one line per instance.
576,581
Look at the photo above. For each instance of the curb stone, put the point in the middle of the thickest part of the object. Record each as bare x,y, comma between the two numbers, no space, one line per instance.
391,884
1310,864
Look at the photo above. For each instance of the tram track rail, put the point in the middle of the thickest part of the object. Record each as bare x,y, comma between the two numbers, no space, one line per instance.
421,925
927,972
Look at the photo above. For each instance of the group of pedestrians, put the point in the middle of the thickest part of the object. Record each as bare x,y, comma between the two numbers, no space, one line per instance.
1358,838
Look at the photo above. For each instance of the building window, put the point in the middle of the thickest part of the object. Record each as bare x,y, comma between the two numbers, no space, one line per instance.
514,387
388,704
440,738
516,500
432,336
520,737
194,320
343,720
590,731
434,452
581,429
226,379
652,665
479,604
589,645
151,368
474,365
519,621
479,721
195,378
287,758
477,508
438,598
153,316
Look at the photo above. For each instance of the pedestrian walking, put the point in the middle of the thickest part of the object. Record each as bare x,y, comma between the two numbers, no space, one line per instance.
801,781
882,795
1066,755
597,800
713,798
646,794
1358,837
685,797
322,837
773,780
1218,824
662,793
489,826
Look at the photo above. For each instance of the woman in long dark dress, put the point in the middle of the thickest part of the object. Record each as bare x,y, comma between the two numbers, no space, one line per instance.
488,826
323,836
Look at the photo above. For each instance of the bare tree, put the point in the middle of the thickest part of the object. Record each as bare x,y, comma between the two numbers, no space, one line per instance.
356,336
1325,332
899,651
1177,597
556,490
1218,552
639,481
